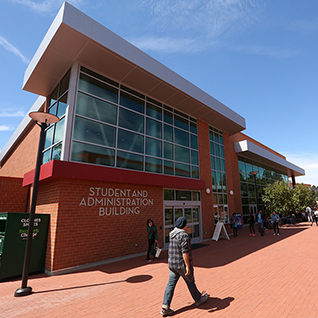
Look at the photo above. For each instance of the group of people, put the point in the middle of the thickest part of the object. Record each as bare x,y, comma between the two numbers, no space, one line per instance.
261,220
312,214
179,262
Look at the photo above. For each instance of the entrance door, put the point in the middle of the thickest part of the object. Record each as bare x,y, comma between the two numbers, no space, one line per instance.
191,213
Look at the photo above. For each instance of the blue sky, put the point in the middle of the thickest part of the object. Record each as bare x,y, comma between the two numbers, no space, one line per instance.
258,57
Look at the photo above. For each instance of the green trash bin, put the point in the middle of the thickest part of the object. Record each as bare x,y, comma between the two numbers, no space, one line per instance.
13,237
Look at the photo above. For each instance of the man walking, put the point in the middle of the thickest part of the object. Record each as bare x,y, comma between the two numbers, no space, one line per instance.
180,264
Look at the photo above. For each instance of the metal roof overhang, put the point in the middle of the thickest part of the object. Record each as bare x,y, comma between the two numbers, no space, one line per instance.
254,152
75,37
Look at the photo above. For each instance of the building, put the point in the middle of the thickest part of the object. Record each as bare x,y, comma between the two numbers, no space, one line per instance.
134,141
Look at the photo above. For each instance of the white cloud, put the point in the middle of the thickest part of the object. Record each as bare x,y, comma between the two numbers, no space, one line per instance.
309,162
266,51
18,113
6,128
45,6
164,44
10,48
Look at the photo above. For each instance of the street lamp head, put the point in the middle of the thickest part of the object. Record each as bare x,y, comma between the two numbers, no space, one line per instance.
44,118
254,173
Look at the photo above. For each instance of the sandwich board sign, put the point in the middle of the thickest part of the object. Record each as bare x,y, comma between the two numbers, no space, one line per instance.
220,230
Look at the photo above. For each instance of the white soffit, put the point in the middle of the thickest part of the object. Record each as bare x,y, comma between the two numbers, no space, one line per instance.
252,151
75,37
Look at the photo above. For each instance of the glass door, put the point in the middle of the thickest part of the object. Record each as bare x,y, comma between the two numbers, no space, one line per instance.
191,213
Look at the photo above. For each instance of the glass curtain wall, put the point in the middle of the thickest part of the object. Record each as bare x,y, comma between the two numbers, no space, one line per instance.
55,132
219,187
118,127
266,175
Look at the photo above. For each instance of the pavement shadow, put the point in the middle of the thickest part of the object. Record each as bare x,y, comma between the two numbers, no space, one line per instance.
212,305
132,279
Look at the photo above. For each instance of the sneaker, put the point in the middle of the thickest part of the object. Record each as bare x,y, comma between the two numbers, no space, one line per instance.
277,233
251,234
274,233
166,312
254,234
202,300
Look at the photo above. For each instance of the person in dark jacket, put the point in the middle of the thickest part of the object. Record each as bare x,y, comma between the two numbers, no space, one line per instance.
234,223
180,264
260,221
251,222
152,237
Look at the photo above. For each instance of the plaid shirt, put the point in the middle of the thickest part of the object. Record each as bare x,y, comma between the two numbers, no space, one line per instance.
180,243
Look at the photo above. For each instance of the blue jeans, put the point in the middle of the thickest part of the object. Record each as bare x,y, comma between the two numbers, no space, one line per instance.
174,275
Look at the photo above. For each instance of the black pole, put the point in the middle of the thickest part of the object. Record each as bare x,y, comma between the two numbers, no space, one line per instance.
24,290
256,197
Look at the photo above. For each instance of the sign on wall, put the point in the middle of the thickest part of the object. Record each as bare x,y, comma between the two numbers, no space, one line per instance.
109,201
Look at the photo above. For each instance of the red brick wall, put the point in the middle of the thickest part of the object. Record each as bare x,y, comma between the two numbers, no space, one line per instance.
78,235
23,156
205,174
13,197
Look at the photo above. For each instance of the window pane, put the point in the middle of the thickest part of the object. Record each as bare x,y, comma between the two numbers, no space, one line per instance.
222,151
212,163
59,131
53,109
168,151
212,152
168,195
217,150
223,165
182,170
213,181
56,152
218,164
181,122
153,128
62,106
182,154
130,120
49,137
195,172
53,97
153,165
90,131
46,156
168,133
183,195
154,111
131,102
194,157
168,167
168,117
216,137
64,83
130,141
195,197
97,88
129,161
181,137
153,147
193,127
92,154
194,141
95,108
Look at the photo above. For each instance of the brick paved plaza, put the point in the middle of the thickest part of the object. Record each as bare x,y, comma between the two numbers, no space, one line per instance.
270,276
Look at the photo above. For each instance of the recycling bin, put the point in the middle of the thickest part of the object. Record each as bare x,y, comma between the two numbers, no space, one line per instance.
13,237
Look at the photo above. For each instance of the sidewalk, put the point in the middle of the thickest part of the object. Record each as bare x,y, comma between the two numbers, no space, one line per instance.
270,276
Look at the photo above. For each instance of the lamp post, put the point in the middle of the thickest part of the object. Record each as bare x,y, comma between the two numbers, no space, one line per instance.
43,120
254,173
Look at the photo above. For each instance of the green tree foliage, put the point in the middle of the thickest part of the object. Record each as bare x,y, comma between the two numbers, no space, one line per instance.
278,197
302,197
281,198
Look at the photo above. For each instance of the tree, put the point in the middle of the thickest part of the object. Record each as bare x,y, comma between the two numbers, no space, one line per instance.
302,197
278,197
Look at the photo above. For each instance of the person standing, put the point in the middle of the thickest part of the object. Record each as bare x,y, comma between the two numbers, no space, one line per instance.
251,222
260,223
275,220
234,222
180,265
152,237
308,212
